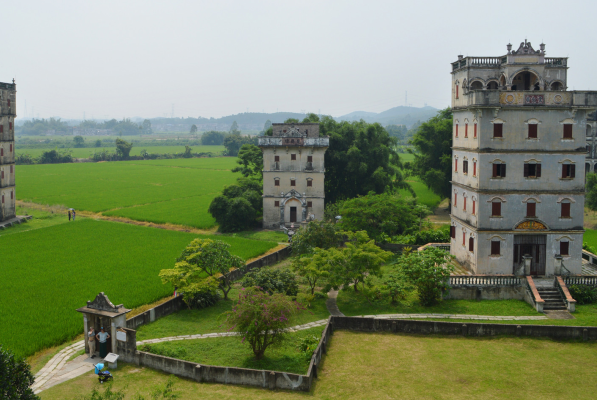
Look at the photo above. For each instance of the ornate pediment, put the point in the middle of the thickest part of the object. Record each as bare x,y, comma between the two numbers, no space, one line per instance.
103,303
531,226
293,193
526,48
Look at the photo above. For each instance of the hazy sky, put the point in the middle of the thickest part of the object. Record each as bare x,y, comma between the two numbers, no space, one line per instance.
214,58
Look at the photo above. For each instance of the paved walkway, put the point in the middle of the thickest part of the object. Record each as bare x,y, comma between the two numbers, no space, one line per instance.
457,316
588,269
331,304
58,370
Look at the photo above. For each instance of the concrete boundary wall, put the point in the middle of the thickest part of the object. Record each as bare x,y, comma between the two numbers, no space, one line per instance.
175,304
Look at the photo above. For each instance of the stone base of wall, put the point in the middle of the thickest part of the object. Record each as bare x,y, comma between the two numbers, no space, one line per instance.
486,293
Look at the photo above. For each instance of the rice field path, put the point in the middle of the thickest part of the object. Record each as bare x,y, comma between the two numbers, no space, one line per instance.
59,369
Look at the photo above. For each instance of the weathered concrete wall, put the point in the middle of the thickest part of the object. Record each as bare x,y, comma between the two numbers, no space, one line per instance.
8,208
486,293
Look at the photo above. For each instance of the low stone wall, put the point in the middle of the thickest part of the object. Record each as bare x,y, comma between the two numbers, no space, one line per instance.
458,328
395,247
486,293
261,262
169,307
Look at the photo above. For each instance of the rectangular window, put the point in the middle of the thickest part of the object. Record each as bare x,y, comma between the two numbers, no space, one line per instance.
568,170
453,232
10,148
455,165
497,130
309,182
1,152
532,170
464,205
465,130
471,244
564,248
531,209
496,209
465,167
474,207
276,203
276,182
1,128
499,170
309,158
567,131
495,247
292,182
2,174
309,204
565,210
463,238
11,169
456,91
293,157
474,168
475,131
10,126
276,158
455,199
11,194
456,130
532,131
8,102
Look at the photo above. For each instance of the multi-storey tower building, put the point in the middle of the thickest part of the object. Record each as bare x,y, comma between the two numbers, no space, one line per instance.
8,114
293,174
518,141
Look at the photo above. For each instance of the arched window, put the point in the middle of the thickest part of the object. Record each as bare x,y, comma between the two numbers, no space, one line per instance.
476,85
557,86
525,80
493,85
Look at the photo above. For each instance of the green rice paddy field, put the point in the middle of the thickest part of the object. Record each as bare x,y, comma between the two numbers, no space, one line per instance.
175,191
136,150
47,273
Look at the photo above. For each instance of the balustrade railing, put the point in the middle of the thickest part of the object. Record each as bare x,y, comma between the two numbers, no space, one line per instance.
556,62
581,280
443,246
489,61
484,280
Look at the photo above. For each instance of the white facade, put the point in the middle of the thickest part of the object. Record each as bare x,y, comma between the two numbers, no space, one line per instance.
519,149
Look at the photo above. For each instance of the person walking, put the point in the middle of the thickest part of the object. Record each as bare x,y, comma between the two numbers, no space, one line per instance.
74,215
91,340
69,215
103,337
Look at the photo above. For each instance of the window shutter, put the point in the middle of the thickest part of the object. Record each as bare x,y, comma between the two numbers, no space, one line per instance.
1,152
309,158
11,194
456,91
474,168
471,244
496,209
464,206
2,175
455,199
572,171
463,238
495,247
538,171
455,165
10,148
276,158
473,207
497,130
309,204
293,157
531,209
564,174
565,210
567,131
11,169
564,248
276,203
465,167
1,128
276,182
452,231
465,130
533,131
526,170
2,199
309,182
456,130
503,170
475,131
495,174
10,125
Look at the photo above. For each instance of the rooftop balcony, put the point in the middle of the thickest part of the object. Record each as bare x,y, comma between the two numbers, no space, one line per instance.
8,86
496,62
269,141
532,98
8,111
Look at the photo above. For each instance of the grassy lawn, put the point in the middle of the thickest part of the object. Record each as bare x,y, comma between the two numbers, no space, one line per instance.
424,195
41,219
590,237
135,151
173,191
49,273
230,351
354,304
211,319
271,236
387,366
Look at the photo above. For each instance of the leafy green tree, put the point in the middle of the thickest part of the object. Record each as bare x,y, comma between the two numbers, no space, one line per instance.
187,152
266,127
291,121
213,138
98,143
234,142
428,271
238,206
194,128
314,268
311,117
250,161
396,286
79,141
591,191
360,258
380,214
361,158
234,128
397,131
123,148
146,127
316,234
203,256
15,377
261,319
433,154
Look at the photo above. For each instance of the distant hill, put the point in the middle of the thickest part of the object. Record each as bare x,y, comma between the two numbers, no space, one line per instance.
400,115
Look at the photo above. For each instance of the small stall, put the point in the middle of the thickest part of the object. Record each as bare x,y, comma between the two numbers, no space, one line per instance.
102,313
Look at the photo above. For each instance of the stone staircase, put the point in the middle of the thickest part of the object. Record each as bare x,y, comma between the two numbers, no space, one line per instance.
551,295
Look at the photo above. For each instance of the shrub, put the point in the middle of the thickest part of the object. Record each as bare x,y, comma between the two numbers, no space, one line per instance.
308,345
583,294
441,235
202,298
261,319
317,234
15,377
272,281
